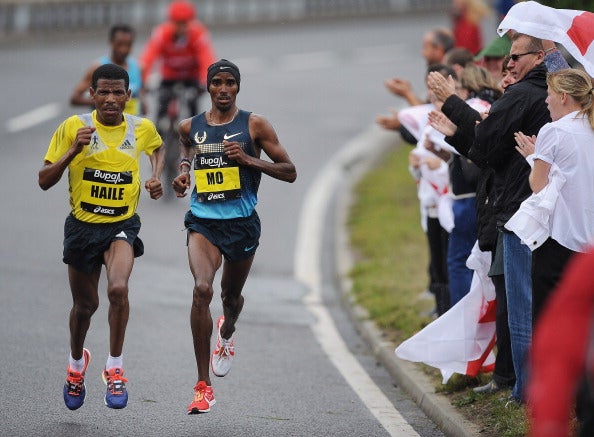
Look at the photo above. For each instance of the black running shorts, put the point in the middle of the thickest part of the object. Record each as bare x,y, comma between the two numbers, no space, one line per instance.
85,243
237,238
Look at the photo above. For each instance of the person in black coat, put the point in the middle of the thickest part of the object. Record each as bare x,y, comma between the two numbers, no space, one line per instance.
457,120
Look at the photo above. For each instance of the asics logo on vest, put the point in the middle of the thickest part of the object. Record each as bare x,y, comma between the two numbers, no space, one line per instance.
216,196
104,211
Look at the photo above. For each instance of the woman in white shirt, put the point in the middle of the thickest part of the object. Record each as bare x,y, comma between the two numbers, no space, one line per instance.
564,149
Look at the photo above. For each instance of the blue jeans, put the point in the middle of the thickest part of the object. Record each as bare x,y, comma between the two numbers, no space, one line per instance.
462,239
517,268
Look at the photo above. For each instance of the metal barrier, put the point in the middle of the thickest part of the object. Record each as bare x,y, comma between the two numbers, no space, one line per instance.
22,17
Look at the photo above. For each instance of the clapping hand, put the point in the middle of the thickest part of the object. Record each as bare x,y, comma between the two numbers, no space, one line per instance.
440,122
525,143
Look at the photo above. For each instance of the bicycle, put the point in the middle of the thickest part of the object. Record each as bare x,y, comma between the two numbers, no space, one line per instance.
182,102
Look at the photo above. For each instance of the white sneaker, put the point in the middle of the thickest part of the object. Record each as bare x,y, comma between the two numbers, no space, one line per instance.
222,356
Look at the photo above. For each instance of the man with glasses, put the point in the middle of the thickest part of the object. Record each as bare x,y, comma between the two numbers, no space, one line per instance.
522,108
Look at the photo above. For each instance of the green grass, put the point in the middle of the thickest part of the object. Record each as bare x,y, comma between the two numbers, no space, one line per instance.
391,266
390,272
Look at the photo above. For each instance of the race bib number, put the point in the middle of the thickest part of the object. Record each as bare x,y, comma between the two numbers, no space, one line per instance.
217,180
104,192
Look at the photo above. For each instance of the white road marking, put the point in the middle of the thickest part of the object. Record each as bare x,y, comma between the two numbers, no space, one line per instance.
34,117
308,270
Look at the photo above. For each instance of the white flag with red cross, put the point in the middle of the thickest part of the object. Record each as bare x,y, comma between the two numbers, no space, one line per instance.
572,28
461,340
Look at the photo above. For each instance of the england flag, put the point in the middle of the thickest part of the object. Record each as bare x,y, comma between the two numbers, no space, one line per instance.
571,28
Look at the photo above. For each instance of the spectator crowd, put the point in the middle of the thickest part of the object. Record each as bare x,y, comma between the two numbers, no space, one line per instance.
500,143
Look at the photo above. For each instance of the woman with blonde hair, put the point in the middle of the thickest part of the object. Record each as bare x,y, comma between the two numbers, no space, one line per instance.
479,83
563,156
577,84
563,176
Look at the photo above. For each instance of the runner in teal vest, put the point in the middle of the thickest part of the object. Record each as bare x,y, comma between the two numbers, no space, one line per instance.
220,149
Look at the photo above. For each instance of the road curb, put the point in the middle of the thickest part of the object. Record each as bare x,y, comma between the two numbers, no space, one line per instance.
407,375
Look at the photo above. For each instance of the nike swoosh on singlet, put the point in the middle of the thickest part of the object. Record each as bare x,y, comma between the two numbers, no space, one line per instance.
228,137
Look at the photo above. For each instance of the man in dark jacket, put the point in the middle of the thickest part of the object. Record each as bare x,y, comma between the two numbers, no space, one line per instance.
522,108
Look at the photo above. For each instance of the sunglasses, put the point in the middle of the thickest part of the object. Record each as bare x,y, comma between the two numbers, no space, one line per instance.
517,56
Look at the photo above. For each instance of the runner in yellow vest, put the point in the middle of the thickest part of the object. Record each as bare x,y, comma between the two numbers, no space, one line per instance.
101,151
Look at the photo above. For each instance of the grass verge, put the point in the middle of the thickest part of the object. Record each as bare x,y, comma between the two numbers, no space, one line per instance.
390,272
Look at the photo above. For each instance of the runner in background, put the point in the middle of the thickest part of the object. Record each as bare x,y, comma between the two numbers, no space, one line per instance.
121,40
183,47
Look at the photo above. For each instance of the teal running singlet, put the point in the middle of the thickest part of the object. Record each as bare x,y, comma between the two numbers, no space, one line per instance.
223,189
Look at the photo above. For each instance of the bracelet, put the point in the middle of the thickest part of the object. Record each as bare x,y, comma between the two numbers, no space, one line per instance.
185,161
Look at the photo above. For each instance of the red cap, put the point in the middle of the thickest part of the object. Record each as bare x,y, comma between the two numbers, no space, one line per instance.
181,10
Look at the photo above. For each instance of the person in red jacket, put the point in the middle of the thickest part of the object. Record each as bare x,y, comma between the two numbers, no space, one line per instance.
467,16
182,45
562,354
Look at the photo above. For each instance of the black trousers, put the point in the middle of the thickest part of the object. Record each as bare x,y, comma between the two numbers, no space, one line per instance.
548,265
503,374
438,237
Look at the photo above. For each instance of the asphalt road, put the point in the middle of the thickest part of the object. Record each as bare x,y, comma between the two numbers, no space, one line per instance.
301,369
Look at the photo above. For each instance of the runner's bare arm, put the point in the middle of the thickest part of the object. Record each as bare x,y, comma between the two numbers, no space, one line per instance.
186,153
264,138
79,96
52,172
154,185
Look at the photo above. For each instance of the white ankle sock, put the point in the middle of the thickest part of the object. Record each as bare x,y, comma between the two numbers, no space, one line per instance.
76,365
114,361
